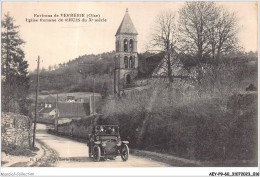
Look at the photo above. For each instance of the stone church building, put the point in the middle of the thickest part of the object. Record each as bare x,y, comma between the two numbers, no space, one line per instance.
131,71
126,59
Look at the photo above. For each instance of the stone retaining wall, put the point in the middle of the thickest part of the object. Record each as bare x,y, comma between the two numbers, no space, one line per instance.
78,128
16,130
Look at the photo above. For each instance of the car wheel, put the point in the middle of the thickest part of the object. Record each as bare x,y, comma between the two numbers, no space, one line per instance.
96,153
124,152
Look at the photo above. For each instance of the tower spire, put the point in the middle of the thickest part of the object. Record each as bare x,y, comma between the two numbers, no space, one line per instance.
126,26
126,59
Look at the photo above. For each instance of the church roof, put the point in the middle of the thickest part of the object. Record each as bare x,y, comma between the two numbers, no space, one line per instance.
126,26
148,63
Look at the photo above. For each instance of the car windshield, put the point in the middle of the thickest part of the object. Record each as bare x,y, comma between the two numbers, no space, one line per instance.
106,130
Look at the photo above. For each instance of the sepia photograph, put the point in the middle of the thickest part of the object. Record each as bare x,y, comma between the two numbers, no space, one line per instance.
129,84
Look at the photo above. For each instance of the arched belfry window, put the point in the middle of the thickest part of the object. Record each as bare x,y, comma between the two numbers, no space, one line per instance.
131,62
131,45
125,45
126,61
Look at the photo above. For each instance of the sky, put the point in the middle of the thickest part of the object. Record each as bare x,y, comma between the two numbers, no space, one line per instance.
59,42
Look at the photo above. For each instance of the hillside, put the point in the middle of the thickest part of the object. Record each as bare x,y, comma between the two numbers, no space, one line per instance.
77,75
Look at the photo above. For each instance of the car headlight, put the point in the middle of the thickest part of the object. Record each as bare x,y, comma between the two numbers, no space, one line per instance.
119,143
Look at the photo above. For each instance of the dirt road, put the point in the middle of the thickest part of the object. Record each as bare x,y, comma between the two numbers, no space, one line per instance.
70,153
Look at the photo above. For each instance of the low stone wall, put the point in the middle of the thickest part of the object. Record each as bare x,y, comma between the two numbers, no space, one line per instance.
45,121
16,130
78,128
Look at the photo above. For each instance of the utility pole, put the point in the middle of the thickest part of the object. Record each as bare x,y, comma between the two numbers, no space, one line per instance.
36,101
93,104
57,100
57,115
93,97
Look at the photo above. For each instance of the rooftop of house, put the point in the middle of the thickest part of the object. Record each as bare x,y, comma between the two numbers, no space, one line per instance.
50,99
46,110
74,109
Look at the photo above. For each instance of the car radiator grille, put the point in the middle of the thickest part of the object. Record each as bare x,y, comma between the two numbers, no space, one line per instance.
111,148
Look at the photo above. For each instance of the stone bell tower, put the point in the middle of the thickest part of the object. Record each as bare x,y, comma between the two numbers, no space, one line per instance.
126,61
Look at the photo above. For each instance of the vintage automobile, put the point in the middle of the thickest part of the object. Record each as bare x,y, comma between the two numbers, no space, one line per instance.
105,143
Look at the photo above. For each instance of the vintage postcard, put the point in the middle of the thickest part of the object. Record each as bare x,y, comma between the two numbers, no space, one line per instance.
129,84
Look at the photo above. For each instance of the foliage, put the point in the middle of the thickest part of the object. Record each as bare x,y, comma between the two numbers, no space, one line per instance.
15,81
207,29
210,121
77,75
204,34
104,91
165,38
18,150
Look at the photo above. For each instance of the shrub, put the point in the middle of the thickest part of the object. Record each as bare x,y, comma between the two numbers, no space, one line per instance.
196,127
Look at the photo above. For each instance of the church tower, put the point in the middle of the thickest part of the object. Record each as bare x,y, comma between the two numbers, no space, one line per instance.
126,61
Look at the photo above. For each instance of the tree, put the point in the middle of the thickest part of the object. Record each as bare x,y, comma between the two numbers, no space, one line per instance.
15,81
193,19
207,32
206,29
105,91
55,67
165,38
50,68
43,70
222,33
